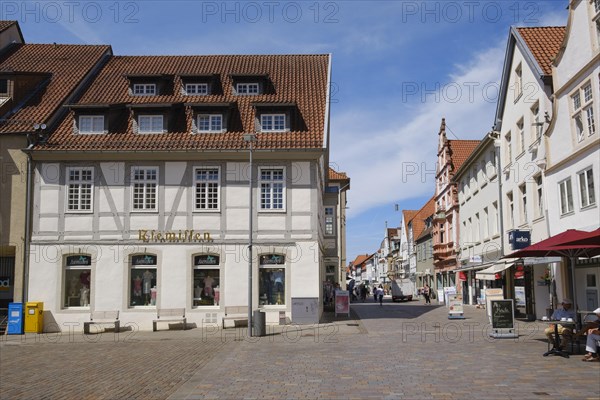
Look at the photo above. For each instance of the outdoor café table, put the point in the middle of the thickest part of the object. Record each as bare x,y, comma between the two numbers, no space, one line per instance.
556,349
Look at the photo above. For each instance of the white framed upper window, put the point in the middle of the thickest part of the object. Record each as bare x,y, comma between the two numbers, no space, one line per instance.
582,112
518,84
80,185
272,122
144,182
272,189
210,123
586,188
521,133
486,223
196,89
150,124
206,189
523,205
510,206
91,124
144,89
251,88
508,147
329,221
536,125
566,196
539,197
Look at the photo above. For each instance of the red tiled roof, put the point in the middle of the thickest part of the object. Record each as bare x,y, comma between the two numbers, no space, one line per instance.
418,221
337,176
64,65
4,25
297,79
544,42
392,232
408,215
461,150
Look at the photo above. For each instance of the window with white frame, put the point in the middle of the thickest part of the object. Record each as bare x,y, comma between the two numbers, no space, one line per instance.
477,229
271,280
144,89
486,223
206,183
210,123
586,188
247,88
143,288
539,197
91,124
583,112
469,232
272,189
329,221
474,179
523,205
79,189
536,125
510,208
566,196
508,147
521,133
195,89
150,123
272,122
206,280
495,218
518,84
77,281
144,181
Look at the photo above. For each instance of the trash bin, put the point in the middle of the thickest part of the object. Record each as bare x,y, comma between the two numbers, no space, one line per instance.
34,317
259,323
15,319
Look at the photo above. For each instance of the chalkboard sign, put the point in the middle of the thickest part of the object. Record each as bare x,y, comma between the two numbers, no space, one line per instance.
502,314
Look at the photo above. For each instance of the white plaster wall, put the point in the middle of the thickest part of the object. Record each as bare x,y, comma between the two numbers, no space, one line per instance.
301,199
300,173
237,219
237,195
50,203
267,221
301,222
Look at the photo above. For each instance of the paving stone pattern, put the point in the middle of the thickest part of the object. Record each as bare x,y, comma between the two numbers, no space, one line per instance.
394,351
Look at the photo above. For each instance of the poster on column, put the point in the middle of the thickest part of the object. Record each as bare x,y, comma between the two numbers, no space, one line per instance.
342,302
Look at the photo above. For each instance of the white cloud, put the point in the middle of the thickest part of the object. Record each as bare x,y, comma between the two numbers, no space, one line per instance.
390,153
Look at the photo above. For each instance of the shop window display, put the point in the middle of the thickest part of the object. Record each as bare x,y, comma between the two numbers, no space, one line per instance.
272,280
77,281
206,287
143,285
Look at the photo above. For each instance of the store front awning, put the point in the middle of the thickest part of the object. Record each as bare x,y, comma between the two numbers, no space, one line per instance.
489,274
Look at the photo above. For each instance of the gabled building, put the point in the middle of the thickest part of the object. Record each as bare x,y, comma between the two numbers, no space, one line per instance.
35,81
572,165
336,200
450,156
422,226
151,188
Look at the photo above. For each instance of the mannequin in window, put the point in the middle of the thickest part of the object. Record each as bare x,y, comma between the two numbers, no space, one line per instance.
153,296
84,278
147,282
217,295
74,287
197,291
208,282
137,286
84,300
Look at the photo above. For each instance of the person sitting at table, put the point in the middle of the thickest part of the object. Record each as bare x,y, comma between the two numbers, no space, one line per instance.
592,344
565,331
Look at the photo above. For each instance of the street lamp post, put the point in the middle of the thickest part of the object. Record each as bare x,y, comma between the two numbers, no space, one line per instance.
250,138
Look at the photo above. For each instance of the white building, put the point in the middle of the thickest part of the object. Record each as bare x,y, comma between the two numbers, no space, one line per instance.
573,156
141,198
523,113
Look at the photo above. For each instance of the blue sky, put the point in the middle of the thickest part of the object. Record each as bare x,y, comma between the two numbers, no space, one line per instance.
398,68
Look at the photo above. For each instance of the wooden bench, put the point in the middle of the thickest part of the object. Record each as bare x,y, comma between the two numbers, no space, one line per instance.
169,315
235,313
101,318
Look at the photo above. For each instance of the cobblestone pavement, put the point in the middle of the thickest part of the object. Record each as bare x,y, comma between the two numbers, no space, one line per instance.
394,351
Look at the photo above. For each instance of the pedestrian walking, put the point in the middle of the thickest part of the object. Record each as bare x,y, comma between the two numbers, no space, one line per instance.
426,294
380,294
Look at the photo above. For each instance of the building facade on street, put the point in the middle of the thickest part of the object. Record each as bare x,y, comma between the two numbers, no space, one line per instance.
335,226
422,225
572,167
141,197
450,156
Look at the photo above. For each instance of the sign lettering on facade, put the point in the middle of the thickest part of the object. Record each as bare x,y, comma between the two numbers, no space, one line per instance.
79,260
272,259
143,259
519,239
179,236
206,259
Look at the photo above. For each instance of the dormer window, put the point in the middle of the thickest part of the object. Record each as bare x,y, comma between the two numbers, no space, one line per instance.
144,89
272,123
91,124
150,124
247,88
196,89
210,123
3,87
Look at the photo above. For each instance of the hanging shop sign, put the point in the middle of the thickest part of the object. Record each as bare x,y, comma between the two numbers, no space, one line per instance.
272,259
148,236
79,260
143,259
206,259
519,239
